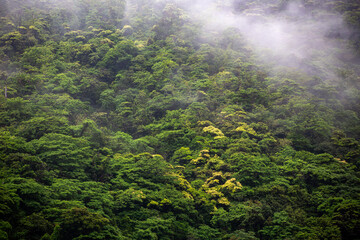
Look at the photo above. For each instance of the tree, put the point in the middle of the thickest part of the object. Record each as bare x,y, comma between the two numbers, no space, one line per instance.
346,216
80,223
119,57
68,156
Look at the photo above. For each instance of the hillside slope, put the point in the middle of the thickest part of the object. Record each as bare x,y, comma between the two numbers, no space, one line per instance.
179,119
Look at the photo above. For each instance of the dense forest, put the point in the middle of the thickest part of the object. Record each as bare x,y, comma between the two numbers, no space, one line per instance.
180,119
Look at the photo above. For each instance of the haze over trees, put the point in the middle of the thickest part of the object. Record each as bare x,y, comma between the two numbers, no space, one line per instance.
179,119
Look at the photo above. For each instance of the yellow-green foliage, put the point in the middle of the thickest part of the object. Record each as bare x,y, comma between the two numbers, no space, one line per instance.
216,179
204,123
95,30
231,186
204,153
215,163
223,201
225,75
10,24
187,195
212,183
105,33
80,38
182,183
107,41
244,127
217,195
71,33
153,204
202,159
33,28
157,156
22,29
11,36
233,113
182,156
214,193
198,161
218,185
86,48
213,131
165,202
201,95
137,194
127,30
140,44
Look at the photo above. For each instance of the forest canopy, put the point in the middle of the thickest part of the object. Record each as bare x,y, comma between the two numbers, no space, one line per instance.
178,119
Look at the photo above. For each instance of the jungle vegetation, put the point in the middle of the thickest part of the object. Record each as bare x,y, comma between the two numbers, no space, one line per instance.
129,120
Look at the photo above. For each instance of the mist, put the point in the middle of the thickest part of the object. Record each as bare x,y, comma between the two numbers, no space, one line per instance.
292,34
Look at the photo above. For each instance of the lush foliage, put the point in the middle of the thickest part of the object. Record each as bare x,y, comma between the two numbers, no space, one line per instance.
129,121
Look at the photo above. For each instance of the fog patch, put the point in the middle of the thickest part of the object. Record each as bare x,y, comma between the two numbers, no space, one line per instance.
290,34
